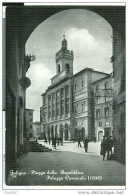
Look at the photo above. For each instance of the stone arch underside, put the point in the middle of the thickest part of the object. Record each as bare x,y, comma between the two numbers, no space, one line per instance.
33,16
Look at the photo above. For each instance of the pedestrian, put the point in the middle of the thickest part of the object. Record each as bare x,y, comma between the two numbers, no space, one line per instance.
54,142
108,147
103,147
111,143
49,139
86,144
45,140
94,139
58,140
61,140
79,140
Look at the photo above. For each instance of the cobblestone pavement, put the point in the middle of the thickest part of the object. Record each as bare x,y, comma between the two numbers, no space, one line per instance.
68,165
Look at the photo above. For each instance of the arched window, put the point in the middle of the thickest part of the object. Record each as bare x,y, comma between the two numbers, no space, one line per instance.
67,68
58,68
97,88
106,85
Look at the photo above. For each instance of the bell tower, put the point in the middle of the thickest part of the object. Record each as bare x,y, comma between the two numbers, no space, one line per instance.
64,59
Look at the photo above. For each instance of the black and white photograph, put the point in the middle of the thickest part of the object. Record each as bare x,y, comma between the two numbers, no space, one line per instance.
64,121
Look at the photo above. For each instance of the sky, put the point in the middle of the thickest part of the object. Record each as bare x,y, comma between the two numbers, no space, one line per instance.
88,36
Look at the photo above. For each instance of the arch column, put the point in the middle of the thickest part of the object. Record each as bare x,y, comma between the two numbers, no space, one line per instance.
60,103
70,98
64,101
55,104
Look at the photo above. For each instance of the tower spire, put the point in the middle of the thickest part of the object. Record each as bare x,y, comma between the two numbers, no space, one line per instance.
64,43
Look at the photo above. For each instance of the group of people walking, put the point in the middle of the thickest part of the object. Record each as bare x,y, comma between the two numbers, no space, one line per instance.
106,147
54,141
85,142
106,144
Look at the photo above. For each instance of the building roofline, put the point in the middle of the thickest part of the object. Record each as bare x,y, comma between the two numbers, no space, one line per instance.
43,93
102,79
89,69
58,83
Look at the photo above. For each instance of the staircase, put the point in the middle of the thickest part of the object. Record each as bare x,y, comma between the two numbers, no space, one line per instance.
33,146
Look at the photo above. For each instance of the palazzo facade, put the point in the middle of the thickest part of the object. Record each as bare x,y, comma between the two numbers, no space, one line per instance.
68,104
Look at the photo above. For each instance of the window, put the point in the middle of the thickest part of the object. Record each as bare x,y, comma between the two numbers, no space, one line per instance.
57,95
67,101
67,109
98,113
75,108
58,68
49,99
83,106
100,124
97,88
57,111
44,101
106,85
53,97
67,90
67,68
30,113
97,100
30,126
82,83
62,110
44,116
53,113
49,114
106,112
75,86
62,93
30,119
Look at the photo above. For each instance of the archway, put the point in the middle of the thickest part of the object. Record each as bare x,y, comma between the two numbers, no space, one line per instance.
61,130
48,131
83,133
26,20
52,131
56,131
66,131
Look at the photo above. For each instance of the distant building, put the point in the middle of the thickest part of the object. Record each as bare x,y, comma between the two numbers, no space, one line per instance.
36,129
29,123
103,107
68,103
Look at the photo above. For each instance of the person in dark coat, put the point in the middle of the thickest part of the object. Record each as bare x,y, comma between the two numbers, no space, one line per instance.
45,140
61,140
58,140
86,144
108,147
94,139
54,142
111,143
49,139
104,147
79,140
